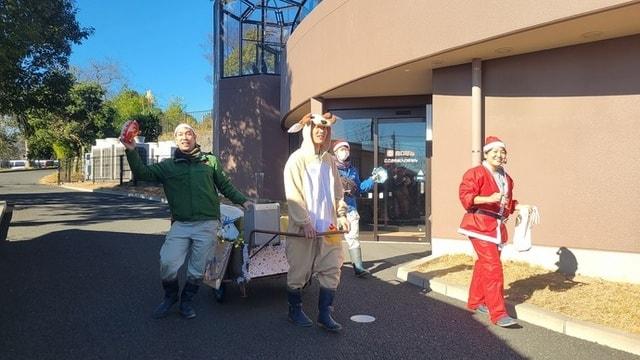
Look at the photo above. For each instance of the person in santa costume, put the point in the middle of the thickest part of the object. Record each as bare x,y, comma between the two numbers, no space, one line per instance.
486,193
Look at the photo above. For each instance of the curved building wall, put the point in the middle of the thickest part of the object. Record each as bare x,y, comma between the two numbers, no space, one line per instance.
345,40
569,117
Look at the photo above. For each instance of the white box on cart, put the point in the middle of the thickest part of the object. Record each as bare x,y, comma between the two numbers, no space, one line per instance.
262,217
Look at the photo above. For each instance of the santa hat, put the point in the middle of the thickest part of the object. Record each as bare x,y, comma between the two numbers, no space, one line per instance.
183,126
493,142
340,143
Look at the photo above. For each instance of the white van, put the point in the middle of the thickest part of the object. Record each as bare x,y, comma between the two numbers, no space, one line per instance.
18,164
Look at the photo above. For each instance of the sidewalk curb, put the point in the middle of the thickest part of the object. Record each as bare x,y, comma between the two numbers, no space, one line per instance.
119,193
532,314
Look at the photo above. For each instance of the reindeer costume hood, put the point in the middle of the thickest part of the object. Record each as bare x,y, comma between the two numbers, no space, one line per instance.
301,182
306,125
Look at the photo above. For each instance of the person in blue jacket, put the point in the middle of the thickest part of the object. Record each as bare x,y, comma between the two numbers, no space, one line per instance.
352,187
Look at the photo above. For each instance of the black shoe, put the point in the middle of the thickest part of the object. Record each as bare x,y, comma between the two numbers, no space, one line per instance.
189,290
296,315
170,298
325,300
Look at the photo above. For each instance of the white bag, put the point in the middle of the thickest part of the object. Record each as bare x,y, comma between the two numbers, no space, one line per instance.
229,214
527,217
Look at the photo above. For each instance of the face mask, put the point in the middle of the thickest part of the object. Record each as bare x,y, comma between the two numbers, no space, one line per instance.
342,155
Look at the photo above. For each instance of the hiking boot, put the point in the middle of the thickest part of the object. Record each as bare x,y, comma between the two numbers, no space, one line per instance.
188,292
171,288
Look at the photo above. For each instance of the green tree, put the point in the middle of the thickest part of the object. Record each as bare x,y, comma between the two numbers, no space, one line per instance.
69,130
35,44
130,105
252,49
8,138
41,144
175,114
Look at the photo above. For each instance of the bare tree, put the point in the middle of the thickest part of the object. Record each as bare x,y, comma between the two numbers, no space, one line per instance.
108,73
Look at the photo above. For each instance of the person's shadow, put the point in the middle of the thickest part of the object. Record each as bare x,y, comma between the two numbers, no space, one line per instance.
567,262
560,280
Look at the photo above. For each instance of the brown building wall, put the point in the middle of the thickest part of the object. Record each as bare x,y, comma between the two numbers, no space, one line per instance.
251,139
341,41
570,119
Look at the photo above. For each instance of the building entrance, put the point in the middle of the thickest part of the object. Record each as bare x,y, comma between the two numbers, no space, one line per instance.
397,210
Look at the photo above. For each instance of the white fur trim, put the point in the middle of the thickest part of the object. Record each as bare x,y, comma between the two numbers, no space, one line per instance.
478,236
492,145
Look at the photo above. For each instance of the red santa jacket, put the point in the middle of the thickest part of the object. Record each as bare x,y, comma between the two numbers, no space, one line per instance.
481,221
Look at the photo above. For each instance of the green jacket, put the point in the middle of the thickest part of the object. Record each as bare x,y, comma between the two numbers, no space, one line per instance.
191,188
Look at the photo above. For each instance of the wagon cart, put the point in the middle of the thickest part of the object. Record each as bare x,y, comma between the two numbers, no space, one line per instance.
262,256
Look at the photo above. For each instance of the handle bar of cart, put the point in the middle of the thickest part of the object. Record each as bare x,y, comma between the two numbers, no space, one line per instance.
278,233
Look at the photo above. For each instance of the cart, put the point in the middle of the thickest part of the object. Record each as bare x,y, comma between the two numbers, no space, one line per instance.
264,255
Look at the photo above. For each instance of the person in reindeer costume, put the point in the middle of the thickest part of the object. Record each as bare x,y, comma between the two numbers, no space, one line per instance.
314,198
486,193
352,187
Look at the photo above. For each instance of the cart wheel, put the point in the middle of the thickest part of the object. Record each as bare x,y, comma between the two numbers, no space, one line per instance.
220,292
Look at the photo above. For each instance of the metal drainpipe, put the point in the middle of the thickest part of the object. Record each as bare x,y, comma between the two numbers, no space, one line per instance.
476,112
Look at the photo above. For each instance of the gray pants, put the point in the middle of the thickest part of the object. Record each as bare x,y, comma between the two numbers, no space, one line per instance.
317,256
197,236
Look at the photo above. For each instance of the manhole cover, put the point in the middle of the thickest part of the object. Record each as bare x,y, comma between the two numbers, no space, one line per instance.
363,318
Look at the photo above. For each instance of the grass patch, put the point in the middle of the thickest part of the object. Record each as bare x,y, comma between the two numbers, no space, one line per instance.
612,304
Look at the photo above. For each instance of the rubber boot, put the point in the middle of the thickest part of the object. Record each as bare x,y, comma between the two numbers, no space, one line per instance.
171,289
356,260
296,315
325,300
188,292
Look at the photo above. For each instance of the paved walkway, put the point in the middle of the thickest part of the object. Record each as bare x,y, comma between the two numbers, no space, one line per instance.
527,312
79,278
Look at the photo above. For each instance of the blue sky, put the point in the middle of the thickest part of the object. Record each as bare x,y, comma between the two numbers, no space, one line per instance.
159,45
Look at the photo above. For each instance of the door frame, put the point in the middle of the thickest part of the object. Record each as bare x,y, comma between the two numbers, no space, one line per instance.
424,112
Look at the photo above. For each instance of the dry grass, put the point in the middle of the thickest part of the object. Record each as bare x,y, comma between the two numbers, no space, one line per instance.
612,304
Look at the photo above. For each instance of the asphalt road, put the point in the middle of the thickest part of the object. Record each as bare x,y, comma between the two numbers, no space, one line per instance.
79,279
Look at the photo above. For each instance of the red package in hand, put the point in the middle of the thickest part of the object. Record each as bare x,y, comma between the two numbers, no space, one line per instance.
130,129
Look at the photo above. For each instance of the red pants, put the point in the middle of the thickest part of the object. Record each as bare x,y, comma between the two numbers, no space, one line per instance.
487,284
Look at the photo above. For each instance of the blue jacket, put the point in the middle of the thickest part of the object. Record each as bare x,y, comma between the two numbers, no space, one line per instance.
351,173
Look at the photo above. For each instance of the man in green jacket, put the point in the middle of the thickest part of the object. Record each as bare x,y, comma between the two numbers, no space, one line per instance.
191,181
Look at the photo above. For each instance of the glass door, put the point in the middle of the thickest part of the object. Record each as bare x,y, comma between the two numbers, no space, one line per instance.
396,140
359,132
401,150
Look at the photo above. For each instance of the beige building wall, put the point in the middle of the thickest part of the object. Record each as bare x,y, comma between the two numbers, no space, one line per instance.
344,41
571,120
251,139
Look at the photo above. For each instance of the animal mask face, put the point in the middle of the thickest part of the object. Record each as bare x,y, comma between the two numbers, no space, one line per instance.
325,120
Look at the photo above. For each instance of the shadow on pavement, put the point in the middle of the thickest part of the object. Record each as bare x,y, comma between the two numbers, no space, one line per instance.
78,294
82,208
